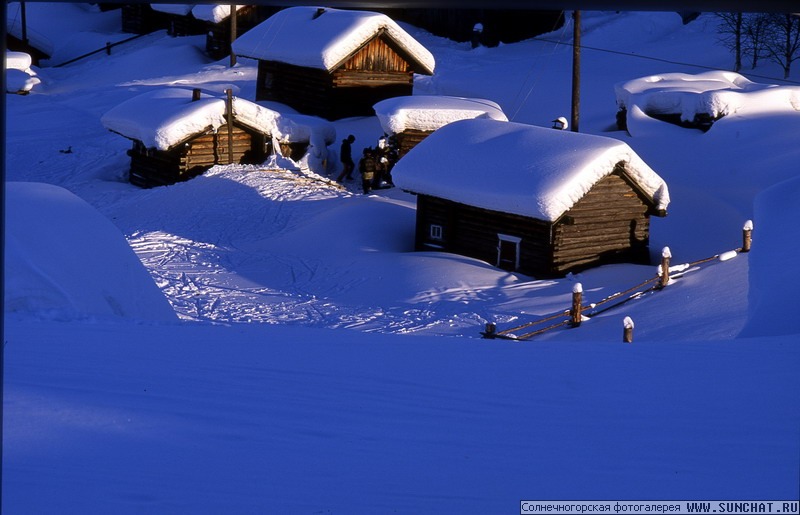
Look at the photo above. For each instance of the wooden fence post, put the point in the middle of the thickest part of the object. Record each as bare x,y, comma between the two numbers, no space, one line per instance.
627,330
490,331
666,255
747,236
577,299
108,48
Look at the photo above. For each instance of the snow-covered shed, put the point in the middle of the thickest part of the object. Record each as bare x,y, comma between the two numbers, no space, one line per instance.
698,100
216,21
531,199
178,133
333,63
410,119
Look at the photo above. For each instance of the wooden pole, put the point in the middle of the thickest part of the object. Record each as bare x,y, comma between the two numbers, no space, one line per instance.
24,20
576,69
747,236
233,34
577,299
665,257
229,114
627,330
196,94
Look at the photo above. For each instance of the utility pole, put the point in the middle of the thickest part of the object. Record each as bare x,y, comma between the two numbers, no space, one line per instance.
24,20
576,70
233,34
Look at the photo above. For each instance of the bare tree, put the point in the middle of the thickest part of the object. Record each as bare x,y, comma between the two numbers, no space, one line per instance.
754,32
782,43
730,31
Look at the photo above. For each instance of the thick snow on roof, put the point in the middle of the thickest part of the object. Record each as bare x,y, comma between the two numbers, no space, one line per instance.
213,13
179,9
520,169
716,93
299,36
163,118
18,61
19,76
429,112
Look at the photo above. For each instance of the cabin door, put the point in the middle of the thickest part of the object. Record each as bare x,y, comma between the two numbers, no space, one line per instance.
508,252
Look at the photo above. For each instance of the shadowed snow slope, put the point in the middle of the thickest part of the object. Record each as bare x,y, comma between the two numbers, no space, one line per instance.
66,260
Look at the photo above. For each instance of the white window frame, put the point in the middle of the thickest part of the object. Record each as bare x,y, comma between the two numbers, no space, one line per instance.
516,240
436,232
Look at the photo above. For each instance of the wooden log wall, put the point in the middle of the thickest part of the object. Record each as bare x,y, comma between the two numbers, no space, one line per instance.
609,224
306,89
156,168
142,19
212,148
409,139
151,168
473,232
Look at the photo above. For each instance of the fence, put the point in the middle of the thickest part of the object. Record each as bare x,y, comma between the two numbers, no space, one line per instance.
578,312
106,49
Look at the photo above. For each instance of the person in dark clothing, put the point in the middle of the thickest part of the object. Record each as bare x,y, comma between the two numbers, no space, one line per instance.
346,157
367,168
385,157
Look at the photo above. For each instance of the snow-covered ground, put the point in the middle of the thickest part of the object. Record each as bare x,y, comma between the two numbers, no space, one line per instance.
312,363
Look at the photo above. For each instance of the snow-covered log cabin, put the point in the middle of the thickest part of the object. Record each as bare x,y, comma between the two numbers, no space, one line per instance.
142,19
179,133
217,24
410,119
333,63
530,199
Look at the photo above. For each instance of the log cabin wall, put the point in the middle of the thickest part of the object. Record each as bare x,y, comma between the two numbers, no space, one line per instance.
142,19
473,232
610,224
305,89
151,168
409,139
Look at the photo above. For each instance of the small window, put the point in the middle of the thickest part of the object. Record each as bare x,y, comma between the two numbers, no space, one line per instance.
436,232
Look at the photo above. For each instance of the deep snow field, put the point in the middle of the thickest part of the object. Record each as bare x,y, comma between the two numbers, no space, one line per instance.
258,341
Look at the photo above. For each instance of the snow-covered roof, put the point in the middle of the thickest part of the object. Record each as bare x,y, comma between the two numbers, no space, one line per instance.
18,61
520,169
213,13
163,118
715,93
429,112
304,37
178,9
19,75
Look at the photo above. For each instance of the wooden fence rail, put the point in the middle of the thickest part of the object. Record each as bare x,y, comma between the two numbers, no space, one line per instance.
574,315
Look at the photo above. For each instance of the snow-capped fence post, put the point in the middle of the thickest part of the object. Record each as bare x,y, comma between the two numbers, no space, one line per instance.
490,330
577,299
747,236
666,255
627,330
